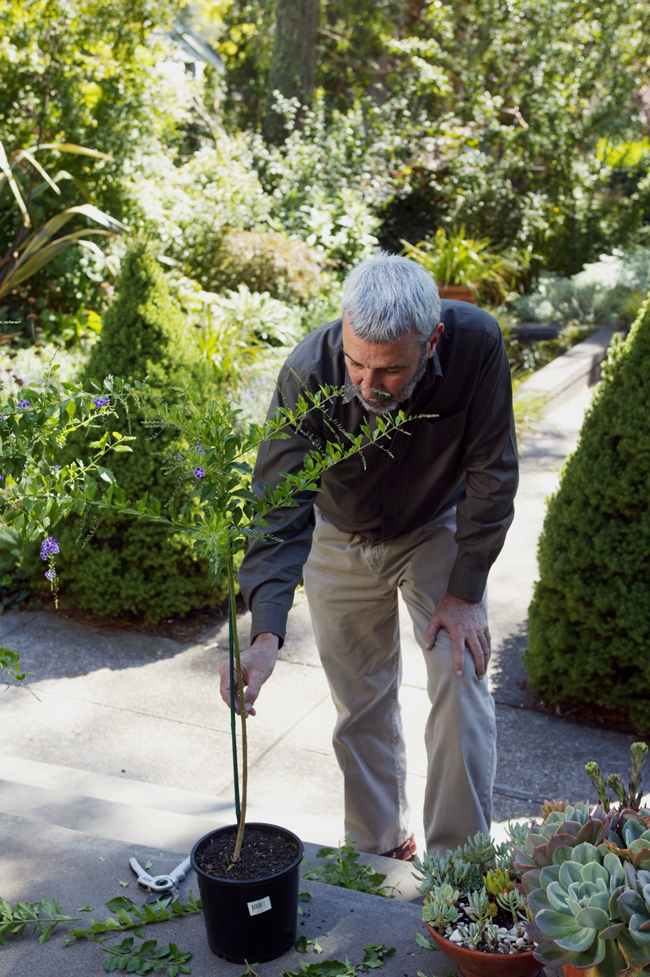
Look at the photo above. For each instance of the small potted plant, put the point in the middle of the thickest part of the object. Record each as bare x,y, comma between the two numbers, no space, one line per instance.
586,874
463,267
475,910
248,873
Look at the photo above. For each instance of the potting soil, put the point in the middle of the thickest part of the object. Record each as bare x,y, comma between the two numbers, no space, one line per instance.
263,854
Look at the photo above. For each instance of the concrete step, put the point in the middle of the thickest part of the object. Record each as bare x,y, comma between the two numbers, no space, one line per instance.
148,814
80,869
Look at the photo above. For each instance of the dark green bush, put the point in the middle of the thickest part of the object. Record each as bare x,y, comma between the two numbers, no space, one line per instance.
285,267
133,567
589,629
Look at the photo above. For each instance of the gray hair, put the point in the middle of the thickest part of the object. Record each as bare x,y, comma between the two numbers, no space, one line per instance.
387,295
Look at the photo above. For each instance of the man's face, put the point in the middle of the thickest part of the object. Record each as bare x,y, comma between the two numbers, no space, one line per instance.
386,374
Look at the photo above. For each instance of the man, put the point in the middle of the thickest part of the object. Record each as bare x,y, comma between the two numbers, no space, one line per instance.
429,518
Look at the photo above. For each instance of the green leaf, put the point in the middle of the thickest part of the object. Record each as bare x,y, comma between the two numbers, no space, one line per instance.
301,944
124,884
424,941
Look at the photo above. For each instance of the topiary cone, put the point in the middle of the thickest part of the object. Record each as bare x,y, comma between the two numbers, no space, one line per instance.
589,627
133,567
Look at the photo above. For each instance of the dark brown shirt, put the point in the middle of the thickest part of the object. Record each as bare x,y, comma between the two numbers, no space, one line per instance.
466,455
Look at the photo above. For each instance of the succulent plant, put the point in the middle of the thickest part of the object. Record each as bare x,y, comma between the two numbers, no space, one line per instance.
497,880
451,868
574,904
593,911
439,907
551,842
479,908
517,905
628,797
552,805
465,889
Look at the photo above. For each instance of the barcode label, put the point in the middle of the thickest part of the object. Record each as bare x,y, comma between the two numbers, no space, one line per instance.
261,906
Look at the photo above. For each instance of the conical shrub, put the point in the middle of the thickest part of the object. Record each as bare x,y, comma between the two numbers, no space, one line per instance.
589,627
133,567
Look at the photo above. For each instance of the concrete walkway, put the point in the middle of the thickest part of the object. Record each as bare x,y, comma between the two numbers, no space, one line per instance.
129,743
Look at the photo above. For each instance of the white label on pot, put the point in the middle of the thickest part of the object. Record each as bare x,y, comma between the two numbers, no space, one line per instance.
261,906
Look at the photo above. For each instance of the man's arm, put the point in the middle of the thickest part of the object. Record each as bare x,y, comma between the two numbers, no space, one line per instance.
485,510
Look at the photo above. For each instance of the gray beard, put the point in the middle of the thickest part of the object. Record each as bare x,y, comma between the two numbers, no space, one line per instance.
391,403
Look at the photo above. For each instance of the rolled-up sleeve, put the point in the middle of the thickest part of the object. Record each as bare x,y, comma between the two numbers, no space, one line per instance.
486,508
272,567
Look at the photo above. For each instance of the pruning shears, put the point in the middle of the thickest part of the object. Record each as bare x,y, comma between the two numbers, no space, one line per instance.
163,888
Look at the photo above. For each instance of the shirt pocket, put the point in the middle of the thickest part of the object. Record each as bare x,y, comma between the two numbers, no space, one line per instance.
443,430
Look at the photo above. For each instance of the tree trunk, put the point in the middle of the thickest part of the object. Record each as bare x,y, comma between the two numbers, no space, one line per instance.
293,64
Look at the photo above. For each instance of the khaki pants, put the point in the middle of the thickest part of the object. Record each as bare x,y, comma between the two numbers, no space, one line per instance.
351,584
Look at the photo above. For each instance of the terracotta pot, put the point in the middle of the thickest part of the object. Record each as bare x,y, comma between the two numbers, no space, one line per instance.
473,963
462,293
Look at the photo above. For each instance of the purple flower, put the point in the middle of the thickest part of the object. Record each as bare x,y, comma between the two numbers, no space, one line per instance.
23,403
55,468
199,472
199,450
2,478
49,547
102,401
50,574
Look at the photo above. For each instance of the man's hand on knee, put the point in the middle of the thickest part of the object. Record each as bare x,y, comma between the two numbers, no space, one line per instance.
467,624
257,663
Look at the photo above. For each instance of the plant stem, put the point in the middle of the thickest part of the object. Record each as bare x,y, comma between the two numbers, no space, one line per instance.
242,712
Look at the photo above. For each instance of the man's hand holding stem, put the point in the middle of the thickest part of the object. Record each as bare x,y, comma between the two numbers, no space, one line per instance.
257,664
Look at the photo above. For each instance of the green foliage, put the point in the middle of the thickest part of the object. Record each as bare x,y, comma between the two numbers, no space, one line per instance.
240,332
373,957
146,958
520,121
10,665
286,268
589,631
610,290
343,869
128,916
80,72
137,569
454,259
41,917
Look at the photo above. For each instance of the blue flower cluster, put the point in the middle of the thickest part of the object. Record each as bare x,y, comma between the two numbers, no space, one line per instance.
199,450
23,403
50,574
49,547
199,472
101,401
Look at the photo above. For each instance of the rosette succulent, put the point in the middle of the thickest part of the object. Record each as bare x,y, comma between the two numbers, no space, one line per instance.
592,910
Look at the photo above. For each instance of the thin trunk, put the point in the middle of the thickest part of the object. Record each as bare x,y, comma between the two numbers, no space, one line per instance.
293,63
242,712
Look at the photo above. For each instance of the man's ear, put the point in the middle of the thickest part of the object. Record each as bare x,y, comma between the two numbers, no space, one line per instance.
433,339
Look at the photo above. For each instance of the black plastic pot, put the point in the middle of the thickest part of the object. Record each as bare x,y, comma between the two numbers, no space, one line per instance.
255,919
